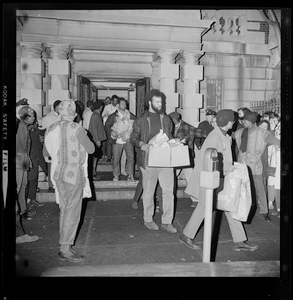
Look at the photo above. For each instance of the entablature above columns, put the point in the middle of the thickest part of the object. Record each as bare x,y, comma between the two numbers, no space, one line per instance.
57,51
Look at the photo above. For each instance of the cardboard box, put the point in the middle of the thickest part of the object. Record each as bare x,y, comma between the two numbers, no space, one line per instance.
168,157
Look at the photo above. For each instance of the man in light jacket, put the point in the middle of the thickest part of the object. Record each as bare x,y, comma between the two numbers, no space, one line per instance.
219,140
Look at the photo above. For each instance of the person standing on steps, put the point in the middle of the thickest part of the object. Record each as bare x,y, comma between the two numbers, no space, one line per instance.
97,134
122,120
68,145
107,111
145,128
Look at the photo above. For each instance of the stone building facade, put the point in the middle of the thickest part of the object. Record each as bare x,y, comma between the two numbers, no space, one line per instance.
198,58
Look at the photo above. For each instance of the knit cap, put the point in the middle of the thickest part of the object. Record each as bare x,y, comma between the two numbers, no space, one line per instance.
174,115
250,116
224,116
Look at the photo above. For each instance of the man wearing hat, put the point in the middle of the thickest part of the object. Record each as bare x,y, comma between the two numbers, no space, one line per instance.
68,145
19,104
186,133
97,134
206,126
251,142
219,140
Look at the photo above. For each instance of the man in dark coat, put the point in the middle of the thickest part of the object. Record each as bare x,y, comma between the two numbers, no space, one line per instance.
186,133
145,128
205,125
96,133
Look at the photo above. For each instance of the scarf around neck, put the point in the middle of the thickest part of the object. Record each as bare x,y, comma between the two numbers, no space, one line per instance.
244,138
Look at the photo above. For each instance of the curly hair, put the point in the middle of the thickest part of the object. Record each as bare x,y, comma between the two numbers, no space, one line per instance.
155,93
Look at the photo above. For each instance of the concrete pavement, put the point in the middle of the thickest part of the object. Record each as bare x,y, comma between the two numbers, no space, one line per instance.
111,233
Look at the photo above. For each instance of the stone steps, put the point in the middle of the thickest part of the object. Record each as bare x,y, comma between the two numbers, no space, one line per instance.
107,190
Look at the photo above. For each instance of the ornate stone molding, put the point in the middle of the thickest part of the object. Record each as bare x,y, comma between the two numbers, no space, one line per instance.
191,57
58,51
167,55
31,50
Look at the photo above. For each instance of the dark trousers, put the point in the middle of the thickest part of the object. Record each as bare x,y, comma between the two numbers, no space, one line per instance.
108,149
33,175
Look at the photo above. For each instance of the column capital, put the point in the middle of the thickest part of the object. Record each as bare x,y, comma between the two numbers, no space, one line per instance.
31,49
191,57
167,55
59,51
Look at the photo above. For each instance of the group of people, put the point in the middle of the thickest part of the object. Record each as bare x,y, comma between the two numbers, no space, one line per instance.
70,144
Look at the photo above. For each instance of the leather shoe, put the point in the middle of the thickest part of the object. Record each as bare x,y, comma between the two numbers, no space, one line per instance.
25,238
188,242
267,218
27,215
151,225
36,203
71,256
244,246
169,228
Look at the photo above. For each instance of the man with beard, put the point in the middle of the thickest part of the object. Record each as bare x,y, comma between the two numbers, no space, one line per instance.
144,129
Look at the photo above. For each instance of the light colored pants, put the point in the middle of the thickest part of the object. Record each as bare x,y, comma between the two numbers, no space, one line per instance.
186,173
21,182
117,151
274,195
70,197
192,226
123,162
150,177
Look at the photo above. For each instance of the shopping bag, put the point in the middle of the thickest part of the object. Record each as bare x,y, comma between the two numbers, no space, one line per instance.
228,198
244,204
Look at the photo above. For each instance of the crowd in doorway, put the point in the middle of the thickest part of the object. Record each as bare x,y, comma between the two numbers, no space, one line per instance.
68,143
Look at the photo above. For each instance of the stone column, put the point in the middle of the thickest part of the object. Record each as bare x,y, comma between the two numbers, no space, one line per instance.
191,99
168,73
33,67
59,70
72,80
155,83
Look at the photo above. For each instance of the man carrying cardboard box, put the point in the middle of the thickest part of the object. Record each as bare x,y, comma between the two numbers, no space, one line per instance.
145,128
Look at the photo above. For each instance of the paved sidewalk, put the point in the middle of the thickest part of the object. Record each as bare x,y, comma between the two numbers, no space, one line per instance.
112,233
